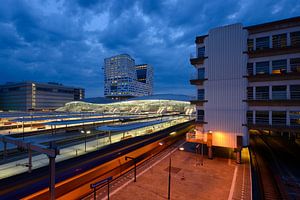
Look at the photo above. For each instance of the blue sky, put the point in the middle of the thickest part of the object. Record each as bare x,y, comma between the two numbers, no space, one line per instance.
66,40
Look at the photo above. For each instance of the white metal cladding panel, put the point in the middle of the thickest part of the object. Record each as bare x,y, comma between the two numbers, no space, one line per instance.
225,89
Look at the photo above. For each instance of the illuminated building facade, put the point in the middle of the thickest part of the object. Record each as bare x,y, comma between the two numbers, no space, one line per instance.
248,78
26,96
123,79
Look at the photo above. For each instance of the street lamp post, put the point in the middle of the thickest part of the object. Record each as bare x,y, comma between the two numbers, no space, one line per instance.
85,137
23,128
169,180
128,157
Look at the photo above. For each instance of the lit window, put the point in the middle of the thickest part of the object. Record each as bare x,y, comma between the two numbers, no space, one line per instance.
279,66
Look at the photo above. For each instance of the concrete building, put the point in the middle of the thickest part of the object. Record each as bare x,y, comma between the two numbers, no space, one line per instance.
248,78
123,79
37,96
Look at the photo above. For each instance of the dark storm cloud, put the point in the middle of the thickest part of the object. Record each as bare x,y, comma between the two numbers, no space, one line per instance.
67,40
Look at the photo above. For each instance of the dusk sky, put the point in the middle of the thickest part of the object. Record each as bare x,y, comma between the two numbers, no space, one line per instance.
66,41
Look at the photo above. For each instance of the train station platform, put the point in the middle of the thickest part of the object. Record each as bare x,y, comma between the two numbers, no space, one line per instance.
219,178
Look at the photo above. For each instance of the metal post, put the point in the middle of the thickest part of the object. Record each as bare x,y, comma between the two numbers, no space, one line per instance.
84,141
23,128
134,170
52,177
108,189
4,150
95,194
169,182
202,156
109,136
29,159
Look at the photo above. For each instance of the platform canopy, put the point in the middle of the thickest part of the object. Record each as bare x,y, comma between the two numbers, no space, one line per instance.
81,121
128,127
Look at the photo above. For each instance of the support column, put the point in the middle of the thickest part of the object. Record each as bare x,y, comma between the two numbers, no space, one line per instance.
29,159
52,178
239,145
209,146
4,150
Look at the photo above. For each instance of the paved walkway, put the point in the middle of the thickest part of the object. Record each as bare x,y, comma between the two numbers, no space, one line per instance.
220,178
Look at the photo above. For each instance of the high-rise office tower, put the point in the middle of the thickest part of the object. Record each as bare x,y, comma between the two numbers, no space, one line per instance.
123,79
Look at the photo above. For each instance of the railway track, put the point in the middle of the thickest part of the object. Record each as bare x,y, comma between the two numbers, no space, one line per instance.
38,179
270,170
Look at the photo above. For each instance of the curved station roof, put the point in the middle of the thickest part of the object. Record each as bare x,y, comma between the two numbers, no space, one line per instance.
153,104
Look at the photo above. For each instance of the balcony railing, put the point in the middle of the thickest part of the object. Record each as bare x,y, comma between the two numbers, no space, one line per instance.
196,79
272,51
197,60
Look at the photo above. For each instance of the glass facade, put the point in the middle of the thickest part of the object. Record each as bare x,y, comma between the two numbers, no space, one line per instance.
295,118
279,92
262,93
250,44
295,39
262,117
200,115
279,66
250,69
278,118
262,43
201,52
200,95
295,64
249,93
262,67
279,41
295,92
201,73
249,117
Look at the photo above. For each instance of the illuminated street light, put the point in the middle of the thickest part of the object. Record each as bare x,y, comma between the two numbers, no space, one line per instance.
161,143
173,133
85,133
181,148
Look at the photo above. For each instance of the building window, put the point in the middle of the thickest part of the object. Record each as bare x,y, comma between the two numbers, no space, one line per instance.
201,73
201,52
262,93
279,41
295,64
278,118
262,117
200,94
279,66
250,69
262,67
249,93
250,43
295,39
295,118
249,117
295,92
279,92
262,43
200,115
